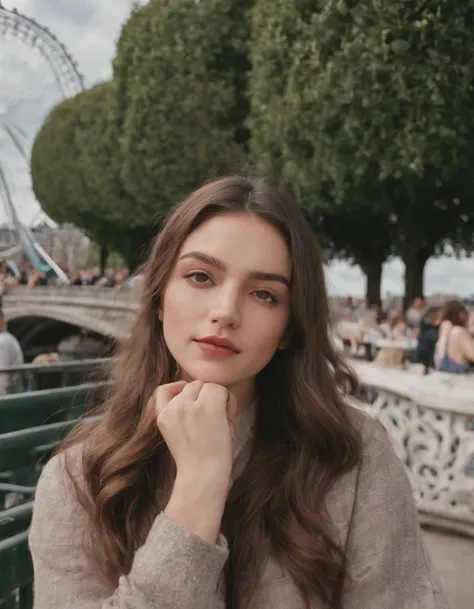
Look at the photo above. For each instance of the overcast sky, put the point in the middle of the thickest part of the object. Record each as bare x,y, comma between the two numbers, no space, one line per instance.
89,29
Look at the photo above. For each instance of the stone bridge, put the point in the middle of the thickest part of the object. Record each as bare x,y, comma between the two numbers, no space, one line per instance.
104,311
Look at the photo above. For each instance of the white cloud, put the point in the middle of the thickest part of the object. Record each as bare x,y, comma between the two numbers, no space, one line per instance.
89,29
28,89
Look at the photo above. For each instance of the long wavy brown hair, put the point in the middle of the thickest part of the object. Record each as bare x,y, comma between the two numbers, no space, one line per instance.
303,441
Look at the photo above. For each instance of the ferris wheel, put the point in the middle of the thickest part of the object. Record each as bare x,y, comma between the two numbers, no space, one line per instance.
39,73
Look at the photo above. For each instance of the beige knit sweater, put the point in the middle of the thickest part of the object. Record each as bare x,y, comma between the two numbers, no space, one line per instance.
371,509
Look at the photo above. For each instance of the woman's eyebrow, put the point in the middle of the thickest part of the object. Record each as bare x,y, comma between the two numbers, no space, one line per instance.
221,266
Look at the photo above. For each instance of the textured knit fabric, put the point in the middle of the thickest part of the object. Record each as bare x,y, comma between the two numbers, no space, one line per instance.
372,514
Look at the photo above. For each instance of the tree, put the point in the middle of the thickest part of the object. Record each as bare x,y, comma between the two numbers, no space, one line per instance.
125,151
131,225
94,258
282,141
57,179
364,239
63,173
372,104
180,82
354,231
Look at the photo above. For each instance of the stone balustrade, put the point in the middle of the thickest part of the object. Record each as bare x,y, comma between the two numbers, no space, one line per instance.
430,420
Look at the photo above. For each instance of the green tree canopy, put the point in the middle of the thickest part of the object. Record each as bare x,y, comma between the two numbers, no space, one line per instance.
371,105
365,239
172,117
73,168
131,225
180,80
58,181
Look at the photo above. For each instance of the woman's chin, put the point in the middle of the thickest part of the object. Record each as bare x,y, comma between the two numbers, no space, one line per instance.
207,374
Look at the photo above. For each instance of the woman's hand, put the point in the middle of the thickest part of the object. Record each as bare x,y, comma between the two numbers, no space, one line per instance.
195,421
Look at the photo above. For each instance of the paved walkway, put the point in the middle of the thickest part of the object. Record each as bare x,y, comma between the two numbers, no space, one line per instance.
453,557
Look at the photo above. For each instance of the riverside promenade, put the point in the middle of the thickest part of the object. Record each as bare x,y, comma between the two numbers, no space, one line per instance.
453,557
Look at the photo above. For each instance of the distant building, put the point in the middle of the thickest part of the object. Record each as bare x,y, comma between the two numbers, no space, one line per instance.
66,244
7,237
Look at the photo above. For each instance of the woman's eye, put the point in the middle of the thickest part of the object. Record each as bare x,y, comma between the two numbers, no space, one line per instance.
266,296
198,277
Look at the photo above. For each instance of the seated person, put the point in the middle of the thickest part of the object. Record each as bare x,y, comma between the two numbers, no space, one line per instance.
470,323
393,329
455,347
429,333
414,315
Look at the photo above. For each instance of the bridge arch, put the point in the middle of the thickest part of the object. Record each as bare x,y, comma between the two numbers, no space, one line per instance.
59,332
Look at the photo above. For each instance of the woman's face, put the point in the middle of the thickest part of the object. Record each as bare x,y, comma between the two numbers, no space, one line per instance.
231,282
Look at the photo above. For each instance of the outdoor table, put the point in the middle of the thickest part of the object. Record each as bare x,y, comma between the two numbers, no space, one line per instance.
404,344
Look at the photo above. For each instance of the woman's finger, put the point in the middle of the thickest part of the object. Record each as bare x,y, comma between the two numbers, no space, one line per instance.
165,393
192,390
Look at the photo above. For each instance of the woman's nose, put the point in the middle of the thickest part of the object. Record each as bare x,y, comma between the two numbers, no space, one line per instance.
226,311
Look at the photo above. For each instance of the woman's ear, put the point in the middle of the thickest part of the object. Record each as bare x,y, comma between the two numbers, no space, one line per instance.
160,314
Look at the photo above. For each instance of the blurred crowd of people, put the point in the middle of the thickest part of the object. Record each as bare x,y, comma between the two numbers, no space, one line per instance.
92,276
442,335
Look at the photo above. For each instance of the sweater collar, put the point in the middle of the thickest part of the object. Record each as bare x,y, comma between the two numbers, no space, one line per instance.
243,429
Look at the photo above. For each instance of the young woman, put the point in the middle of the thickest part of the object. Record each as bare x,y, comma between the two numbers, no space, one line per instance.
228,470
455,346
395,329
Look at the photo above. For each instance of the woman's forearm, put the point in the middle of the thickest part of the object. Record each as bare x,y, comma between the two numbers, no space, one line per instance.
197,503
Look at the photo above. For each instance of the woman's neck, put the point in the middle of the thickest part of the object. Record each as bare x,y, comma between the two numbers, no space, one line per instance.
245,394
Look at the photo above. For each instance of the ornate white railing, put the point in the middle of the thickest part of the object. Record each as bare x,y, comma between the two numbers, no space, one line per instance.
431,422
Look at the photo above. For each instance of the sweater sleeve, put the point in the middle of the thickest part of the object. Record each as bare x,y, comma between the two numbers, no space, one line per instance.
388,564
174,568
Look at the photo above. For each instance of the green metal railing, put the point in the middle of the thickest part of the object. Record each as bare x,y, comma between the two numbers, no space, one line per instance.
22,410
34,377
16,573
24,452
32,425
15,520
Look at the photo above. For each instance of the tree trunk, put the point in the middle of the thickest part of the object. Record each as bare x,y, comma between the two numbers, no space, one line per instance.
415,261
104,254
373,273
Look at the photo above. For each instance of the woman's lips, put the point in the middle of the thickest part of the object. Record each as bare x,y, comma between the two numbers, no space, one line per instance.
214,349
